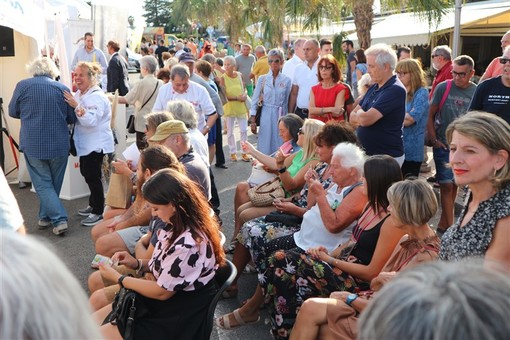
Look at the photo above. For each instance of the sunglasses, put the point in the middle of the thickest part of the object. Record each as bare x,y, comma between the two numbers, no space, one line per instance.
300,131
324,67
503,60
276,61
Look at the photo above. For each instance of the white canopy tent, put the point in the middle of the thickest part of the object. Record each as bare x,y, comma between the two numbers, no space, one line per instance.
410,29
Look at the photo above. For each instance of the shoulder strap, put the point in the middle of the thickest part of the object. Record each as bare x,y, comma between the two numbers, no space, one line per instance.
157,83
261,95
445,95
351,188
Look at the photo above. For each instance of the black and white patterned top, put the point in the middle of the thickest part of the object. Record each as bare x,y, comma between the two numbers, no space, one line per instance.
473,239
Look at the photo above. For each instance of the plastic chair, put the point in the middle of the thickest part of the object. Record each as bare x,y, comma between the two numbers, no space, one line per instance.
224,277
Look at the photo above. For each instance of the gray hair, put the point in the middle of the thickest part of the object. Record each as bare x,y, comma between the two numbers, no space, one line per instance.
43,66
383,54
275,52
440,300
150,63
184,111
179,46
351,156
40,297
211,59
260,49
182,71
230,59
444,51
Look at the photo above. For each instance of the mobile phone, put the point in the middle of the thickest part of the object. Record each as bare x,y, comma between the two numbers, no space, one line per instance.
99,259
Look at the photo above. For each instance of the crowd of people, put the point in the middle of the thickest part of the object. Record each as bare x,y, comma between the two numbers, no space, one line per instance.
345,214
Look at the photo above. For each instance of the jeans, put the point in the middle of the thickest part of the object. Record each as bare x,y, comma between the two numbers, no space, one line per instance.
444,173
47,176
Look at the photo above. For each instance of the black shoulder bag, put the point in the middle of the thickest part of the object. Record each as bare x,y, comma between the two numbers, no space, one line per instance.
125,310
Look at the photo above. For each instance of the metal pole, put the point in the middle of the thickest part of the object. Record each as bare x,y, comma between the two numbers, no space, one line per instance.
456,29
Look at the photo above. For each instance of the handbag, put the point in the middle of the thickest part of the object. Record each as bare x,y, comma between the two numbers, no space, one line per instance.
259,175
287,219
125,310
119,191
264,194
260,103
131,124
72,146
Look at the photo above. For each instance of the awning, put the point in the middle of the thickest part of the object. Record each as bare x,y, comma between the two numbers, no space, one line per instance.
481,18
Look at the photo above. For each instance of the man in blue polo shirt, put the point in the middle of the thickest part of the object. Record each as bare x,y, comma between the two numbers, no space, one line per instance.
380,115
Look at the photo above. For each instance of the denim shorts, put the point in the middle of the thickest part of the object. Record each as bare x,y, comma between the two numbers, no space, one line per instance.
444,173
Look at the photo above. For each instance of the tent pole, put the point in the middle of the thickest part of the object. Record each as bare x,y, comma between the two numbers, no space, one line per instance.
456,29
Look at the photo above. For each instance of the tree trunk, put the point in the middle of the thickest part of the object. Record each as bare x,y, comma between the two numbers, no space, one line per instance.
363,18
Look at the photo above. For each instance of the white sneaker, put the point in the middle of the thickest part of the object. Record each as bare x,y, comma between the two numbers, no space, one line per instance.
60,229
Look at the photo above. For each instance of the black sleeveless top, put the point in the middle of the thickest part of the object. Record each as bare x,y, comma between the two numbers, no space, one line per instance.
365,247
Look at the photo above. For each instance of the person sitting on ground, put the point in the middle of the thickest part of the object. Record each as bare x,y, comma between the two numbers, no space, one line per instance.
123,232
329,221
440,300
30,272
184,263
336,317
292,276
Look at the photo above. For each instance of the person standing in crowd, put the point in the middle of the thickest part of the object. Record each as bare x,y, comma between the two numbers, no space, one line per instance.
359,70
348,48
92,135
305,76
159,53
44,137
495,68
403,53
442,63
380,114
117,72
143,96
450,100
244,64
275,89
90,53
299,56
493,95
412,77
261,66
326,46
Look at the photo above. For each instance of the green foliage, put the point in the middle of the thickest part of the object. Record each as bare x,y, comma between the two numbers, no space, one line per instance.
158,13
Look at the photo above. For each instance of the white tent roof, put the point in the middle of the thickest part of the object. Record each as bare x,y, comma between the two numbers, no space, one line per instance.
409,29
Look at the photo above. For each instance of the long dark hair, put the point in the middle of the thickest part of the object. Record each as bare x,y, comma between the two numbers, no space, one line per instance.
381,171
192,209
293,123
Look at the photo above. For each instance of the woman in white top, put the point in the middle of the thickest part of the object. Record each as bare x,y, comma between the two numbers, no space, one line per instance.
92,134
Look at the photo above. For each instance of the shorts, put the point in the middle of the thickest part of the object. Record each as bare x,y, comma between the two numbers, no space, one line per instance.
211,135
444,173
131,235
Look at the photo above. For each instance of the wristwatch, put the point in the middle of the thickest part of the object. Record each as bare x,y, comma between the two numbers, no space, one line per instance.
282,170
350,299
119,281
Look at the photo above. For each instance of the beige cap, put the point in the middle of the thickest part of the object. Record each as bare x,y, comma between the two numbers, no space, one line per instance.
170,127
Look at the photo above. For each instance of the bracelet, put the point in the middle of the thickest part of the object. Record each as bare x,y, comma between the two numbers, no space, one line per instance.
207,127
119,281
140,265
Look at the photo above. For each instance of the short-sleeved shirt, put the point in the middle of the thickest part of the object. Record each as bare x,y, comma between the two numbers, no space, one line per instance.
327,98
494,69
290,65
305,77
197,171
384,137
244,65
196,94
260,67
492,96
185,264
456,105
350,57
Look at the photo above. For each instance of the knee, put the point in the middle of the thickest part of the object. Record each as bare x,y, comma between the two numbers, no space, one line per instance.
104,246
97,300
95,282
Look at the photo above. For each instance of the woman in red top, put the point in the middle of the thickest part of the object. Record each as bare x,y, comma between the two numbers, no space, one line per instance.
327,98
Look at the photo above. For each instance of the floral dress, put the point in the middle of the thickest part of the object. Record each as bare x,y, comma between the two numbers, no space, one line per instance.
256,233
293,276
473,239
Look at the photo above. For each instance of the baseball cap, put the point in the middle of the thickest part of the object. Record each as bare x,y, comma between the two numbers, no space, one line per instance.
186,57
168,128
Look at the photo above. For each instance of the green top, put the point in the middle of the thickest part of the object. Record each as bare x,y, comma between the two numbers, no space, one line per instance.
297,164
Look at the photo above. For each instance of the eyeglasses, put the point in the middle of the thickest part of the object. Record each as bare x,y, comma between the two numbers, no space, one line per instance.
435,56
504,60
276,61
325,67
459,74
300,131
401,74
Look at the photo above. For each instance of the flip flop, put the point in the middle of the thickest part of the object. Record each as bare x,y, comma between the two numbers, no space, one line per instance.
226,321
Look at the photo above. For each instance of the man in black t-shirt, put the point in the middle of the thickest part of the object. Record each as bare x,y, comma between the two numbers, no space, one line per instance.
159,52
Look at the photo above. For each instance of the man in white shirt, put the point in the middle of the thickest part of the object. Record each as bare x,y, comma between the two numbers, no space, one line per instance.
299,55
181,87
305,76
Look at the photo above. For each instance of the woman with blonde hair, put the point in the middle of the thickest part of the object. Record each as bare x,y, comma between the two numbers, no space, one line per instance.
417,111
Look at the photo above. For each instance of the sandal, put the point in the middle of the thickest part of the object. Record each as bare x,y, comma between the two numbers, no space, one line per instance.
230,292
224,321
231,247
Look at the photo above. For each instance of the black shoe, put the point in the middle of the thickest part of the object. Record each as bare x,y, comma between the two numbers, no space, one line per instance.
222,166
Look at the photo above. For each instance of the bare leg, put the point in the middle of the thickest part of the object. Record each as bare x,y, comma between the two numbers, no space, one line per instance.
112,212
241,258
309,319
448,194
109,244
103,297
95,282
100,229
250,311
240,197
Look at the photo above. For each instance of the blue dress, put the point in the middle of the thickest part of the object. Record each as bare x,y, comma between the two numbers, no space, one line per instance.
276,99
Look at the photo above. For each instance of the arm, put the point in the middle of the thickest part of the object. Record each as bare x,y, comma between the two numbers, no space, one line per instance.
498,253
359,304
268,161
388,239
293,97
290,183
365,118
351,207
144,247
209,123
419,107
131,218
